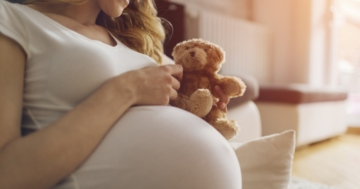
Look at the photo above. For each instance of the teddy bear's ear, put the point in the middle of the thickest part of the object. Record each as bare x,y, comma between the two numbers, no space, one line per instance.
175,50
220,53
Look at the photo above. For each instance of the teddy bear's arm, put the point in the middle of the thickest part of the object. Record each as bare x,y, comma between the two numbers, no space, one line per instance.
232,86
199,103
204,82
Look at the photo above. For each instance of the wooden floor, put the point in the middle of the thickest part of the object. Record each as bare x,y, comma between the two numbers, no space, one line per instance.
335,162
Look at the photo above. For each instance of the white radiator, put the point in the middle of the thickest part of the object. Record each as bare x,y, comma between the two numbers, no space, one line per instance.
247,45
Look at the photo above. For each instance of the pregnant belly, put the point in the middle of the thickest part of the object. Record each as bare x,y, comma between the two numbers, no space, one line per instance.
151,146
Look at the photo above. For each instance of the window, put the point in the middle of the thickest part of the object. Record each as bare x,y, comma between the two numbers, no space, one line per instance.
347,35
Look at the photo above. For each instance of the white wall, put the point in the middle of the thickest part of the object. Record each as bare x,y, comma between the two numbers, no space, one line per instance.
320,43
246,43
301,40
237,8
300,34
276,15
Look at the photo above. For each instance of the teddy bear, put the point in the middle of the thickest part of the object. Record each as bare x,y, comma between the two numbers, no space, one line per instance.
201,60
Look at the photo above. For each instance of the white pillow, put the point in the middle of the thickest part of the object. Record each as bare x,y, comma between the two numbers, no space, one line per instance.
266,162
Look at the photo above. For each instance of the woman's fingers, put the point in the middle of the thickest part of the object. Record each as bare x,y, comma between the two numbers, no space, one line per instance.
156,84
223,99
175,84
177,72
173,94
222,96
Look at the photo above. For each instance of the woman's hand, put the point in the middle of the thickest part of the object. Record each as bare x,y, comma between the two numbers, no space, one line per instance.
155,85
223,99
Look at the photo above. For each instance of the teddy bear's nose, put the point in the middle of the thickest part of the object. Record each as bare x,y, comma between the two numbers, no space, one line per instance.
192,53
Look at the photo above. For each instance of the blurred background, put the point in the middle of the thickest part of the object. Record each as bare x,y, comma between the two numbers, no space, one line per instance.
314,42
284,44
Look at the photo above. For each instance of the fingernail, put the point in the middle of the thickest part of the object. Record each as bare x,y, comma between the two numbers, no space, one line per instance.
222,106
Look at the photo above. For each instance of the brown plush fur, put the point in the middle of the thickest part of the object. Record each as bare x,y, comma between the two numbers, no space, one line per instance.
201,60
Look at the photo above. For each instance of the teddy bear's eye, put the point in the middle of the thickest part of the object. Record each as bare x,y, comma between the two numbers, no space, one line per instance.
187,48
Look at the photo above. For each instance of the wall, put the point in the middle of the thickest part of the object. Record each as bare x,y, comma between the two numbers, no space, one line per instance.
277,16
320,43
301,34
301,39
236,8
246,43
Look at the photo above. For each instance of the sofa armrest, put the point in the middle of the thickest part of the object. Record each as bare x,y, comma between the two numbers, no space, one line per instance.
247,116
251,92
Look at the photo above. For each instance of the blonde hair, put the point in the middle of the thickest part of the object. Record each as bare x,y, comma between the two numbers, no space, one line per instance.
138,27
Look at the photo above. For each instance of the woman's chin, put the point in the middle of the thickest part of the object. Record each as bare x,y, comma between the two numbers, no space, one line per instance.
115,14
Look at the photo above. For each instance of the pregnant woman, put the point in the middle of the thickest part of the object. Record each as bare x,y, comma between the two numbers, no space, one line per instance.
84,103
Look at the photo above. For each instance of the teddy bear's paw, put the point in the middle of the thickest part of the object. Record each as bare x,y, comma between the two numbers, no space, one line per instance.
181,102
200,102
200,94
234,86
228,128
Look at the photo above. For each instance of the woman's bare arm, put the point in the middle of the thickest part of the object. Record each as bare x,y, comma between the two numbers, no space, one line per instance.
11,89
41,159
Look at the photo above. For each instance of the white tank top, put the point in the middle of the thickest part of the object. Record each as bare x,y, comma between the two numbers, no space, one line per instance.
63,67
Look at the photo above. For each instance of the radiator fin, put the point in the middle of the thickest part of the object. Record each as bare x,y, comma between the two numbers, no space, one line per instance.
247,44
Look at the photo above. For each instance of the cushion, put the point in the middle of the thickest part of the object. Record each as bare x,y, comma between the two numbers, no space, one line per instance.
266,162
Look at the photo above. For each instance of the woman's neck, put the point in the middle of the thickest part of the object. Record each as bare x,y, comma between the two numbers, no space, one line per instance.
85,14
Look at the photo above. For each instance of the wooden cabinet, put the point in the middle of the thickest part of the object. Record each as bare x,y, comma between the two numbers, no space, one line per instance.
174,13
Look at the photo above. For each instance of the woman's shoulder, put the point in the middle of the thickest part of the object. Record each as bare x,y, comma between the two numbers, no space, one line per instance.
11,12
14,12
4,3
13,23
6,6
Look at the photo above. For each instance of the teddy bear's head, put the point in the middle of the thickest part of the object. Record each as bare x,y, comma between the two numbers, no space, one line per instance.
198,54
